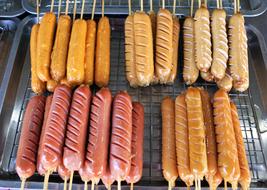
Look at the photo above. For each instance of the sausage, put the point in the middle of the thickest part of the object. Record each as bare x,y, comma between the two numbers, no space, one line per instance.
63,172
37,85
238,48
96,160
181,138
210,135
225,137
120,146
197,141
107,178
169,167
74,149
219,43
202,39
40,169
54,134
102,62
44,46
90,52
51,85
175,44
137,144
215,181
241,86
234,180
65,81
190,70
245,177
29,138
60,50
130,52
226,83
153,19
164,45
143,48
76,54
207,76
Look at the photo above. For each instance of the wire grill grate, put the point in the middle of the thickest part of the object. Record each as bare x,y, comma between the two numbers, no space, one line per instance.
151,98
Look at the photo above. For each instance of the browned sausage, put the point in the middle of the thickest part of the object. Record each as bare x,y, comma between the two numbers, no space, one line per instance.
107,178
51,85
215,181
63,172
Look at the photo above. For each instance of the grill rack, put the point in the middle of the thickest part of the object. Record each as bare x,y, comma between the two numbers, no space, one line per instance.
151,98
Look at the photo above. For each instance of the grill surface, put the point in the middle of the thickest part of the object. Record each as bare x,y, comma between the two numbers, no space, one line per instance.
151,98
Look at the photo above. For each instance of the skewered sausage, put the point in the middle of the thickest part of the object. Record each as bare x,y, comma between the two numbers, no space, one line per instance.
51,85
215,181
170,172
181,137
226,82
29,138
102,62
63,172
44,46
207,76
37,85
107,178
153,19
64,81
241,86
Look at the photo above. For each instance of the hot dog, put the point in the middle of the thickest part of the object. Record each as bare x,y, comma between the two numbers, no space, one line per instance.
215,181
241,86
207,76
107,178
64,173
29,138
102,62
64,81
51,85
226,82
169,167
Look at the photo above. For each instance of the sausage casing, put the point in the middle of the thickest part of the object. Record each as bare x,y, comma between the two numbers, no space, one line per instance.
169,167
207,76
226,83
51,85
190,70
45,44
241,86
181,138
74,149
29,138
215,181
107,178
37,85
90,52
120,146
76,54
60,50
63,172
202,39
102,62
137,144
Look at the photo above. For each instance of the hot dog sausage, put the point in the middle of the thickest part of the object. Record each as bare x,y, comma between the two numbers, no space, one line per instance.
241,86
226,82
51,85
65,81
215,181
207,76
107,178
29,138
63,172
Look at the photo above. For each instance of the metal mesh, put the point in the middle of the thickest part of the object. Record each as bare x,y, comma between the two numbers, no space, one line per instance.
151,98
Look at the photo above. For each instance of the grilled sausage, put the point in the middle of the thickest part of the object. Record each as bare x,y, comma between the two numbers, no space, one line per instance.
170,172
164,45
90,52
210,135
219,43
245,177
234,180
144,65
54,134
175,44
76,54
74,149
181,137
202,39
238,48
64,81
225,137
215,181
60,50
107,178
137,144
51,85
44,46
102,62
207,76
120,147
226,82
63,172
190,70
37,85
241,86
29,138
96,160
197,141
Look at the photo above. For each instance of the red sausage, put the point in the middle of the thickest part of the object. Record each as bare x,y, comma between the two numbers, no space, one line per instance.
29,138
63,172
120,147
74,149
54,134
107,178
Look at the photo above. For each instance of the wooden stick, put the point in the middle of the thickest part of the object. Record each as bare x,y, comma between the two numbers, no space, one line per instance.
221,4
130,7
75,9
93,10
85,185
163,4
174,7
37,10
199,184
151,5
52,6
192,8
141,5
59,8
235,6
169,185
82,9
218,4
103,8
199,3
119,185
205,2
238,6
109,187
188,187
71,179
93,185
65,183
67,7
22,185
225,185
131,187
196,184
46,179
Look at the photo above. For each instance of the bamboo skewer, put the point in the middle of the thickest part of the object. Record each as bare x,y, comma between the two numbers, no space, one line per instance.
82,11
93,10
192,8
22,185
238,6
163,4
71,179
59,8
141,5
174,7
67,7
52,6
130,7
103,7
75,9
38,11
65,183
151,5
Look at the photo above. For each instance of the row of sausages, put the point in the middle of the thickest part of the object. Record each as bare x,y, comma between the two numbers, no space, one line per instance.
55,130
71,54
208,49
201,139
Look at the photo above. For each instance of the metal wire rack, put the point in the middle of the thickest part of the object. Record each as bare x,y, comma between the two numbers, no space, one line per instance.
151,98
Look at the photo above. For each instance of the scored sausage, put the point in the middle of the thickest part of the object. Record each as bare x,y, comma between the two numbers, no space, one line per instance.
137,144
241,86
169,167
226,83
215,181
29,138
74,149
181,138
107,178
245,177
102,62
120,146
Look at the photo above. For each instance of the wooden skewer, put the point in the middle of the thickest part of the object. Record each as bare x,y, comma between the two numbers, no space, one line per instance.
85,185
67,7
205,3
192,8
151,5
46,179
188,187
65,183
218,4
199,184
119,185
103,7
141,5
75,9
52,6
93,185
22,185
225,185
199,3
109,187
238,6
37,11
59,8
174,7
93,10
130,7
196,185
169,185
221,4
131,187
235,6
71,179
82,9
163,4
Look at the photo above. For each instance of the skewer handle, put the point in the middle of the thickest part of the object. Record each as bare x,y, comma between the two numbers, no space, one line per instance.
22,185
52,6
103,7
82,9
75,9
93,10
71,179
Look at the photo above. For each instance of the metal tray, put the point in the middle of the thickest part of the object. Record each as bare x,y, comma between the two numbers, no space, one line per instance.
120,7
20,92
10,8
